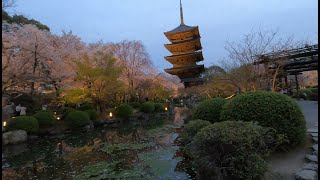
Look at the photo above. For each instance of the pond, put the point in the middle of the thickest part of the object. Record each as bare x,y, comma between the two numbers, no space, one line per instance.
129,152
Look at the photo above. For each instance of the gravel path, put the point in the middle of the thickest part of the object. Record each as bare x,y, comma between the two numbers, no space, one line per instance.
285,165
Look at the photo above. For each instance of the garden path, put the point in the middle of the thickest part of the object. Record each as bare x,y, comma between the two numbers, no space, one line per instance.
285,165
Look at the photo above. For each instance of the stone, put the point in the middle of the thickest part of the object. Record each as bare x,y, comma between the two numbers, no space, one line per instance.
315,153
312,130
314,134
312,158
306,175
14,137
105,125
315,147
310,166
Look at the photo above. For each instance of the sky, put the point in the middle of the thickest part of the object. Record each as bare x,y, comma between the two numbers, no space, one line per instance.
146,20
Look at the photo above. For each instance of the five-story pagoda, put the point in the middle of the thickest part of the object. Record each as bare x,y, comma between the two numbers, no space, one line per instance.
186,50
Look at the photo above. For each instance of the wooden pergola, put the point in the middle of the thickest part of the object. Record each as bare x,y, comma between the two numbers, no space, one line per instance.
292,62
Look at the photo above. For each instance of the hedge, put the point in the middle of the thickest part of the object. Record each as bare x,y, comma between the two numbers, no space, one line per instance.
76,119
148,107
124,111
240,146
158,107
209,110
92,114
191,129
27,123
45,118
271,110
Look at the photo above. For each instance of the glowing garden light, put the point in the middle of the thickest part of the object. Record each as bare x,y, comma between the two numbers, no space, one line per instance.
166,109
110,114
58,118
4,124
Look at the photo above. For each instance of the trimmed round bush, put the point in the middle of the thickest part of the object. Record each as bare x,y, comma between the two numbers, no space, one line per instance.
92,114
45,118
27,123
76,119
148,107
135,105
158,107
209,110
124,111
66,111
270,110
191,129
240,146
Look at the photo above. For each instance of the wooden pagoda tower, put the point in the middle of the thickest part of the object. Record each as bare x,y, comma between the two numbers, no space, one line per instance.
186,52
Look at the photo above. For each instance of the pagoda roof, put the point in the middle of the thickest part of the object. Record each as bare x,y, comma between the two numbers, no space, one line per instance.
176,70
196,56
181,28
184,47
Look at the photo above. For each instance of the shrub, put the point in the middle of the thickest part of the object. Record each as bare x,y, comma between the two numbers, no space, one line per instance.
76,119
66,111
85,106
240,146
158,107
269,109
209,110
27,123
313,97
124,111
302,93
135,105
191,129
92,114
45,118
314,90
148,107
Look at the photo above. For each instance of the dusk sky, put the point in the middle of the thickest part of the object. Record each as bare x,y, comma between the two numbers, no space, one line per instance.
146,20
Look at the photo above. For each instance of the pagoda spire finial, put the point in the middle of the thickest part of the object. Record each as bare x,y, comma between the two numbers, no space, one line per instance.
181,14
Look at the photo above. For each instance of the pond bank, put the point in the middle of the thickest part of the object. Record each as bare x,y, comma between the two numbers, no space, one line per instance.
114,151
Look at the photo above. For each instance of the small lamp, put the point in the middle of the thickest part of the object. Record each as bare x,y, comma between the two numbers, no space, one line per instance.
4,123
110,114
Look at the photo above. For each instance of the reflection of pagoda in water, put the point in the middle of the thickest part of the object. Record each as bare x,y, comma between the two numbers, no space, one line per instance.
186,50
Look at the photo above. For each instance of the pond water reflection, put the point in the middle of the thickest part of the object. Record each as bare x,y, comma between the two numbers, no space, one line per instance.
126,152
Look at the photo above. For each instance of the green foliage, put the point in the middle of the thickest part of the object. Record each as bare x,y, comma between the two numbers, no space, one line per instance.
110,148
23,20
85,106
148,107
306,94
191,129
209,110
124,111
66,111
45,118
27,123
135,105
76,119
92,114
75,96
240,146
158,107
273,110
101,75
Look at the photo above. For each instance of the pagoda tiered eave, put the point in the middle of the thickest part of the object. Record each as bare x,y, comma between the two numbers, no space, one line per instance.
184,47
182,33
185,59
185,69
